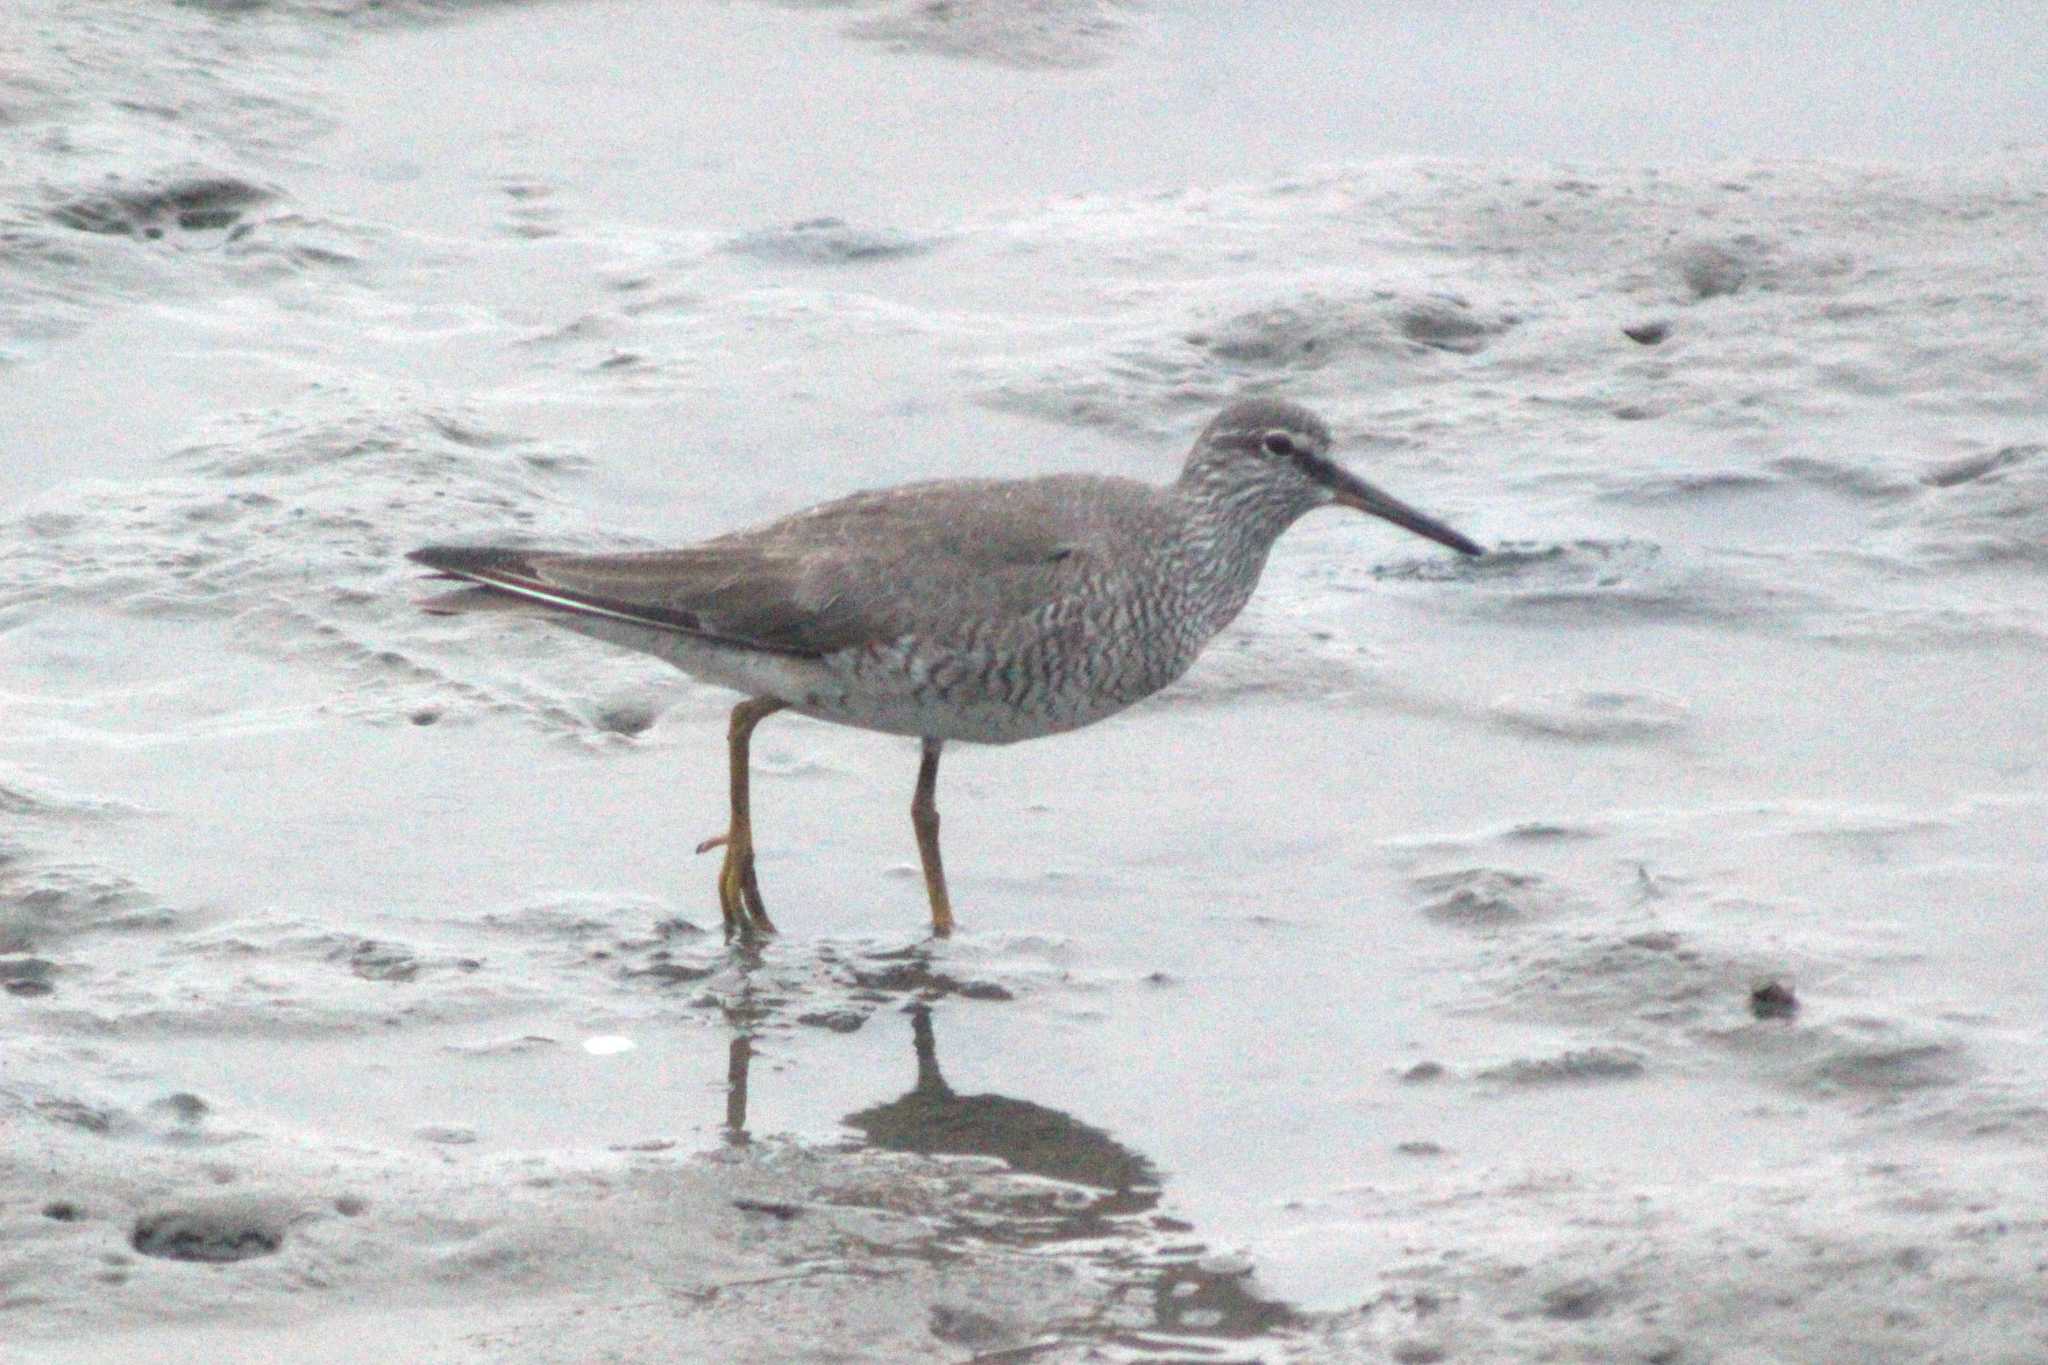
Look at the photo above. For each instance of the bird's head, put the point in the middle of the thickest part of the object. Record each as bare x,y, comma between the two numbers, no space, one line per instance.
1276,455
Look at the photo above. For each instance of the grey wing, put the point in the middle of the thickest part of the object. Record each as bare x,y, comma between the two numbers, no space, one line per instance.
936,560
732,599
946,560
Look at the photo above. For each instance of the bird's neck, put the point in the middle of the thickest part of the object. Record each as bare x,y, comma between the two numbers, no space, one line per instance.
1228,531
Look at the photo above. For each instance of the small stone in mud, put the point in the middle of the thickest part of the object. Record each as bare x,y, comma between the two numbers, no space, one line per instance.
426,715
1647,333
1773,999
1423,1071
63,1210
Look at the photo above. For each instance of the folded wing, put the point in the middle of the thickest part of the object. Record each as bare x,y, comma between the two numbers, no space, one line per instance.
839,576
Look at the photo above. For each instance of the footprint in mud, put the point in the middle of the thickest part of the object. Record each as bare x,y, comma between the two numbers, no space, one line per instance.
1711,269
42,903
26,977
211,1231
1989,464
153,208
1573,1066
1489,898
1444,323
1310,331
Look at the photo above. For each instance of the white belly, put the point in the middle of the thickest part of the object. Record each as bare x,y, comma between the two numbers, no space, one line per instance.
902,689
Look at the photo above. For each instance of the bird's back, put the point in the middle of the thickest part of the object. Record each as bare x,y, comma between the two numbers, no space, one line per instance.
957,560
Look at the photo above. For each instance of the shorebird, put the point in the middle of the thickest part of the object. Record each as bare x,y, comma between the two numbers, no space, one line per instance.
982,610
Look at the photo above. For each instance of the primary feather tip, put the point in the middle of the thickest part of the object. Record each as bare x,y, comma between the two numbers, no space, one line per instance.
466,561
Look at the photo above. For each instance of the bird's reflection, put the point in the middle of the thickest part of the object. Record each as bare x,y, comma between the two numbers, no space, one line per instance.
933,1119
1105,1186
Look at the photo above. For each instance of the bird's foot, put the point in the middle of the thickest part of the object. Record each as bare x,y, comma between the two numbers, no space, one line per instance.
739,894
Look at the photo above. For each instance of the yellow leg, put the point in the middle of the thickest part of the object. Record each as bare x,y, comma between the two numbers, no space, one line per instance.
739,895
924,818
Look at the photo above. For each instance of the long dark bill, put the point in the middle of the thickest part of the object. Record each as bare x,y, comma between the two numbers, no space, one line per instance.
1353,491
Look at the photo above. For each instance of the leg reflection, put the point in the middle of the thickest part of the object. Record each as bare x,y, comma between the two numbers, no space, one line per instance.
737,1061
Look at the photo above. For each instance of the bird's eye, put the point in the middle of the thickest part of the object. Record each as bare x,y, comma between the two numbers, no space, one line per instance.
1278,443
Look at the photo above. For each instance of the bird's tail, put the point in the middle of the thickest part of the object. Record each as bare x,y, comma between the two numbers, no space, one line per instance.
501,579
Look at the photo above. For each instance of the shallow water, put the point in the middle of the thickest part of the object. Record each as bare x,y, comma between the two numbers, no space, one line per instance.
1563,937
